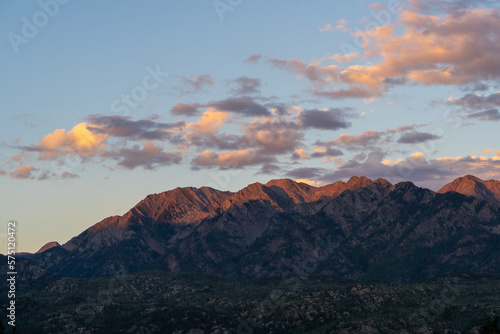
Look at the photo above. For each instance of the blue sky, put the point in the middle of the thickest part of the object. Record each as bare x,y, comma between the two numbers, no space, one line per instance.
244,91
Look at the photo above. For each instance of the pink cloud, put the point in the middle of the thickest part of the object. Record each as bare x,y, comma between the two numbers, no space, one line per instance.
22,172
433,50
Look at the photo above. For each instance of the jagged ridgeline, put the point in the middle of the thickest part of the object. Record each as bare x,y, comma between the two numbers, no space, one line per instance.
360,229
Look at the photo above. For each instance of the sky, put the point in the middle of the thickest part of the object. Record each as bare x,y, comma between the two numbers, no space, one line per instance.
103,103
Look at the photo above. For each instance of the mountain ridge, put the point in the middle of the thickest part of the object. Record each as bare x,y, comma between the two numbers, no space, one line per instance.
262,229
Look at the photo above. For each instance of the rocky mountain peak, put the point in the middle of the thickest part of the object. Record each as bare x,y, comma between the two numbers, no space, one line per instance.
355,182
473,186
358,182
254,191
297,192
181,205
48,246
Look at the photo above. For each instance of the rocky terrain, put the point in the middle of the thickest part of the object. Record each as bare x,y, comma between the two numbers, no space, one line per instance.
161,302
359,229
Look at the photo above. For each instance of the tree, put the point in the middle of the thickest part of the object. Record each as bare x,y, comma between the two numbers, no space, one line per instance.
491,327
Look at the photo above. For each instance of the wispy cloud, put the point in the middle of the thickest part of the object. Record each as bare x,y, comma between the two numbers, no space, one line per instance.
22,172
195,84
245,86
488,115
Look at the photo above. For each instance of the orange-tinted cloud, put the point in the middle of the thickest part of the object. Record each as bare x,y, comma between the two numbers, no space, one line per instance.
209,123
18,157
364,139
231,159
78,141
22,172
451,49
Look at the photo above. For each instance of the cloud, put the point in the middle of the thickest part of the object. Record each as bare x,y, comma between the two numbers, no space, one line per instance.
300,154
415,137
305,173
345,58
245,85
478,87
22,172
420,48
435,50
361,140
68,175
241,105
279,109
26,172
328,27
473,101
196,83
269,168
331,119
150,156
488,115
368,138
209,123
405,128
189,109
124,127
340,94
326,150
449,6
253,59
205,132
340,26
79,141
272,136
267,136
17,157
432,174
235,159
279,63
314,72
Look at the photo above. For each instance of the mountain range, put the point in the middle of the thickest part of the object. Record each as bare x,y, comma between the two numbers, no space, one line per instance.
361,229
